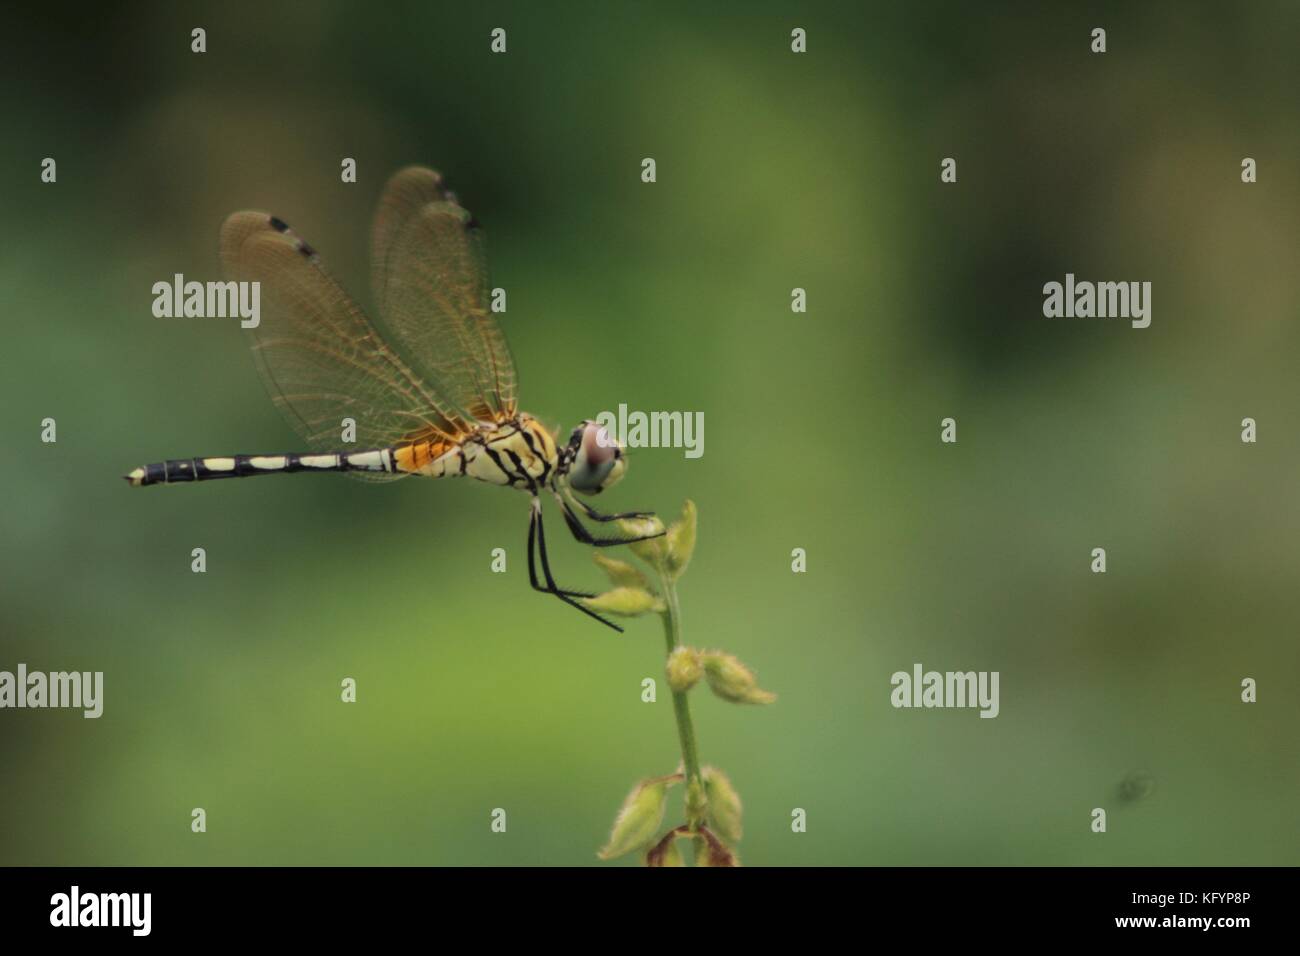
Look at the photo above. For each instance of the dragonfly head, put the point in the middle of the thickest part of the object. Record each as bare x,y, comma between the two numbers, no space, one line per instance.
595,459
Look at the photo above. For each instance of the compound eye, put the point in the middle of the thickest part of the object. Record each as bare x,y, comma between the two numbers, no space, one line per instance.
599,446
599,462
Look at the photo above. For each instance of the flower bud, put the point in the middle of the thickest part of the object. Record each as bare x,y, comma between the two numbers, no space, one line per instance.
714,852
650,550
681,540
731,680
622,574
697,803
625,602
684,669
638,819
665,852
724,804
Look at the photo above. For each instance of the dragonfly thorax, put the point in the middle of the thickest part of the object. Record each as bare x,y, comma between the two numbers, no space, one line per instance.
517,453
521,453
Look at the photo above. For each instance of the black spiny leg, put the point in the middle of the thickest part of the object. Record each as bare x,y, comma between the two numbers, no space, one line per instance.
586,537
534,528
537,536
595,515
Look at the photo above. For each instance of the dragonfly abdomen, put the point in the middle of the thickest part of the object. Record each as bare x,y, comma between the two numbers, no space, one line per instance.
432,459
244,466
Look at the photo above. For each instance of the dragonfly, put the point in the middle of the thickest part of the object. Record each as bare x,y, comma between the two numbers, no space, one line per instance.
436,398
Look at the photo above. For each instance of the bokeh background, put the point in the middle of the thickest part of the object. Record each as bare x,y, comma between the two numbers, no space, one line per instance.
775,170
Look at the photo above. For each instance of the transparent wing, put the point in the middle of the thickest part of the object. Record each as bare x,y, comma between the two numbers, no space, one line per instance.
321,359
430,281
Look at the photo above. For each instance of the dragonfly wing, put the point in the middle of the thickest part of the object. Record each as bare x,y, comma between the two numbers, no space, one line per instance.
321,359
430,281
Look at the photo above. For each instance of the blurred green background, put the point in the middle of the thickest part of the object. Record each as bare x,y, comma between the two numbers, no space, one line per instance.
775,170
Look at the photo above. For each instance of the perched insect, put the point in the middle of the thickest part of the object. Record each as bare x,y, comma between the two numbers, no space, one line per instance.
441,403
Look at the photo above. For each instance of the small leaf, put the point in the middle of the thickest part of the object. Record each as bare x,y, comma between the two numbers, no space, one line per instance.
681,540
725,811
638,819
731,680
621,573
625,602
684,669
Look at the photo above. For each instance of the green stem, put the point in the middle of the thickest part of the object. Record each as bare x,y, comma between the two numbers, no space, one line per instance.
672,618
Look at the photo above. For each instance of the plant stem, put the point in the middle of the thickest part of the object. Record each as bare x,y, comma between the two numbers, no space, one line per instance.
672,618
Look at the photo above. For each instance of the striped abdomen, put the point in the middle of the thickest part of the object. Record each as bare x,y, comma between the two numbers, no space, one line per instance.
243,466
518,454
432,459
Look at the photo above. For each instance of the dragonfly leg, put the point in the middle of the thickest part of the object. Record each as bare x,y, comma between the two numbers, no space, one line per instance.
586,537
537,542
534,530
595,515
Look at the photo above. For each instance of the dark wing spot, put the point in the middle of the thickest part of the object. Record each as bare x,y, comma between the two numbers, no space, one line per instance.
279,225
306,250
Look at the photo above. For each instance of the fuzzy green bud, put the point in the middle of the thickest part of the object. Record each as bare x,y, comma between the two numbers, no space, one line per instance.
651,550
684,669
665,852
697,803
713,852
638,819
725,810
731,680
622,574
681,540
625,602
